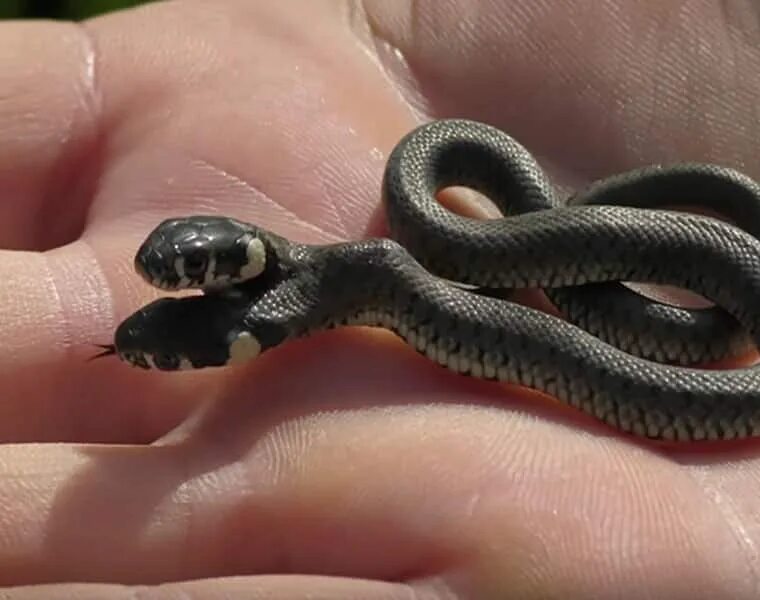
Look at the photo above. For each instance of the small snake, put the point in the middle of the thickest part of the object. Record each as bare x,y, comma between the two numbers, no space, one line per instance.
618,356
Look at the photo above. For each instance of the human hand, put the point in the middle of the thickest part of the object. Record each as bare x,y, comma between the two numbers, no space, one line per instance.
344,465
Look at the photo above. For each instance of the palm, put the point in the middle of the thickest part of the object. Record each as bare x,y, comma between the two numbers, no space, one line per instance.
345,454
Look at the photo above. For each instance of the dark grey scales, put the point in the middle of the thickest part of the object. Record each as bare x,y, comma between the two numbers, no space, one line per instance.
261,290
486,159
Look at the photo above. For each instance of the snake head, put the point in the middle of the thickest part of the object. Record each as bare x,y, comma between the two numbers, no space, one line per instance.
201,252
172,334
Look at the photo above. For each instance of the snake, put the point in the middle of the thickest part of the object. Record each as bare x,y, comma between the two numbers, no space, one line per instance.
626,360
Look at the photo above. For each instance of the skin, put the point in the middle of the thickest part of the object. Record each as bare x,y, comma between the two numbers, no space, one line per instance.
344,466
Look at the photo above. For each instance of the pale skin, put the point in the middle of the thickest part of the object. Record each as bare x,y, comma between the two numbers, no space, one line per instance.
345,466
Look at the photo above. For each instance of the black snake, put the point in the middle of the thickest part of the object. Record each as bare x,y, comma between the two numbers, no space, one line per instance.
621,357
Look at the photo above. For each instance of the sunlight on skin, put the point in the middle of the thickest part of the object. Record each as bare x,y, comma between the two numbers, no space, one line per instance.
346,455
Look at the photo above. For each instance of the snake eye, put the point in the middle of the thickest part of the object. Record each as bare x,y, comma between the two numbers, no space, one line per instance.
165,362
196,264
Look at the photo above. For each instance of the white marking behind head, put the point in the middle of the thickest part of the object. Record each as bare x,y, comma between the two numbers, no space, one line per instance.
243,348
256,254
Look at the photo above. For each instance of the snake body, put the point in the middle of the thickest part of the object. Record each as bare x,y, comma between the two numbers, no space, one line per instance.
262,289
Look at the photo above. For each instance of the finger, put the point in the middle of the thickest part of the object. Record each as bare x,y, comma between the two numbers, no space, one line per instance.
155,515
596,87
59,306
263,587
408,478
49,153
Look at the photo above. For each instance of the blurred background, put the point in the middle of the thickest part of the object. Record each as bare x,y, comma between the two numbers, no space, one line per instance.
61,9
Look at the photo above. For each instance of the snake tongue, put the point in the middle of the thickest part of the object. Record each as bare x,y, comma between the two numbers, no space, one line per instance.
107,350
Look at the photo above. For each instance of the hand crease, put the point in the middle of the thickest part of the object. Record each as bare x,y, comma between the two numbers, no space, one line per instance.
389,58
724,507
293,217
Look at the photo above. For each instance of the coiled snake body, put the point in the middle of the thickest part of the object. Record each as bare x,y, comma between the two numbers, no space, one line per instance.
261,289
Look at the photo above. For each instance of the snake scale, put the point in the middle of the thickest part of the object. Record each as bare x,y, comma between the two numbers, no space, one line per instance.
625,359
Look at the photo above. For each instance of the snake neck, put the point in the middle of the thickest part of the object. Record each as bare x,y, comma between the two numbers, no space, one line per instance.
315,288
